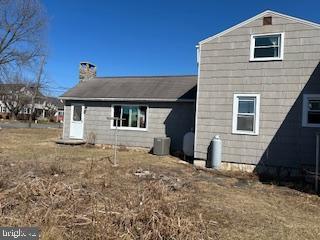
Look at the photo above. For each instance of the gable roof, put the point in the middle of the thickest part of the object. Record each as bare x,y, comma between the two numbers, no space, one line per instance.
268,12
154,88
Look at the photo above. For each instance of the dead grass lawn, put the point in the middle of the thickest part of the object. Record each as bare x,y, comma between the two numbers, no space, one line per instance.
75,193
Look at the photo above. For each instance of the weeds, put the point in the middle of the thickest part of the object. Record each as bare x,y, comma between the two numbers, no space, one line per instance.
151,213
75,193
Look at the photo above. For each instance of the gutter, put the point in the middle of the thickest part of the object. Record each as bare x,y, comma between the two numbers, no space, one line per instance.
128,99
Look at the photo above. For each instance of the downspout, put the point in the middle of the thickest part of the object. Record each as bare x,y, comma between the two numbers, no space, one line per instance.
198,47
317,163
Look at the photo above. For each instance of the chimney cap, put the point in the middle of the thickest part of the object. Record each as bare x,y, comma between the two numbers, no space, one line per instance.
87,63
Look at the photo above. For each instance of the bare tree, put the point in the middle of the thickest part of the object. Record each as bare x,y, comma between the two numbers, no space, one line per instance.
22,23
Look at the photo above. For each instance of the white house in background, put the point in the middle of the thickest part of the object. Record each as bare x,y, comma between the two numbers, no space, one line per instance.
45,107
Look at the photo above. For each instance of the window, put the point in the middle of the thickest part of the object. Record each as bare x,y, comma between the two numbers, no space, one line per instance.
77,113
311,110
246,114
267,47
132,117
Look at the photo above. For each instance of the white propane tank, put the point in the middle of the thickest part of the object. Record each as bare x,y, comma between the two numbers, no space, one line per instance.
188,144
216,151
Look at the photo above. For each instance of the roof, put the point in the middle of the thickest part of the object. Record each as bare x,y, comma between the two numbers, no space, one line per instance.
141,88
54,101
268,12
6,88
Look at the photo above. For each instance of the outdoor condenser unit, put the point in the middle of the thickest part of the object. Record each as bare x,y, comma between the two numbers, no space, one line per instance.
161,146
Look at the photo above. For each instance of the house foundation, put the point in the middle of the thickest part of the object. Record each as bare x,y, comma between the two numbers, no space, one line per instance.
263,171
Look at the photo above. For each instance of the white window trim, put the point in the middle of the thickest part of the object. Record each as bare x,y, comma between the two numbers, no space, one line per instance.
130,128
252,48
235,114
306,98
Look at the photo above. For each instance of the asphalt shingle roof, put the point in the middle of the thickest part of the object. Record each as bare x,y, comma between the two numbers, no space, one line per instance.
158,88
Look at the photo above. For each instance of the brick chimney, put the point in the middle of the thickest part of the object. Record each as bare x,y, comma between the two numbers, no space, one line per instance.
87,71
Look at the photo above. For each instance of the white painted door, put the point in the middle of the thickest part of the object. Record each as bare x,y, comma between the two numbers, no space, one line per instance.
77,120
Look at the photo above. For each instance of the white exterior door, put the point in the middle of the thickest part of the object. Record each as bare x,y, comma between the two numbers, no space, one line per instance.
77,120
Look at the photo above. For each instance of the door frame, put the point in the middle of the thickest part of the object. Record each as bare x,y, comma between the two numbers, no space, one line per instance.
82,119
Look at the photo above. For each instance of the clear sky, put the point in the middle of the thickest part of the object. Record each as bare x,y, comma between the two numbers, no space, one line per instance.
144,37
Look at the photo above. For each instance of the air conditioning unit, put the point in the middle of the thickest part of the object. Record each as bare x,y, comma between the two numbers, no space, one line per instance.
161,146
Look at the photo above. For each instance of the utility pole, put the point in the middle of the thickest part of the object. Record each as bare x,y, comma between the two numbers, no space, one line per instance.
36,90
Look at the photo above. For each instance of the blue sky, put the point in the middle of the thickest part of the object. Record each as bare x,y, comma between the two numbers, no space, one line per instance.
143,37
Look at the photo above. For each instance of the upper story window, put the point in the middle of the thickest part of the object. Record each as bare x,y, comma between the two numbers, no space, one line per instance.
133,117
246,114
311,110
267,47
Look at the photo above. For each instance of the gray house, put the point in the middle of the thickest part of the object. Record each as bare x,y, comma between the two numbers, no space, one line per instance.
150,106
259,89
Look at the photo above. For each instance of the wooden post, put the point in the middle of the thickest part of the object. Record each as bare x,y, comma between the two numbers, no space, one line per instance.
115,163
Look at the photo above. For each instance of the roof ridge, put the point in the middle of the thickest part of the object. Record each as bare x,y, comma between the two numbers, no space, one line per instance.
151,76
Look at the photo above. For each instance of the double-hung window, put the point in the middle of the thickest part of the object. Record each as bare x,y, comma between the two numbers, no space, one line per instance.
267,47
246,114
130,117
311,110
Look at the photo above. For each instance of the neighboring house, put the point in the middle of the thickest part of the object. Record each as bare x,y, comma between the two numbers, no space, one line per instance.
49,108
4,112
54,109
59,115
259,89
15,97
149,106
45,107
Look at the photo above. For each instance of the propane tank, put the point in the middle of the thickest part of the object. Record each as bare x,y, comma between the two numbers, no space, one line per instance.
216,151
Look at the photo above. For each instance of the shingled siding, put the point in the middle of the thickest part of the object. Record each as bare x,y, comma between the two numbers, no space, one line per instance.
225,70
66,121
164,119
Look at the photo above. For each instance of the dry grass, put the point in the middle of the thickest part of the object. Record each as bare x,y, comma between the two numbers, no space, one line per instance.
75,193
